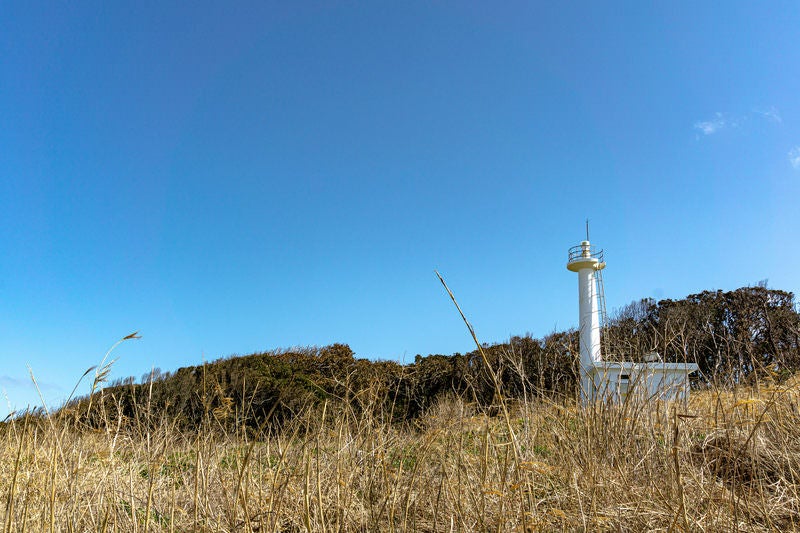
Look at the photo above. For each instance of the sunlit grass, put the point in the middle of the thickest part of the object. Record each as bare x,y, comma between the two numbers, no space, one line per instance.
727,459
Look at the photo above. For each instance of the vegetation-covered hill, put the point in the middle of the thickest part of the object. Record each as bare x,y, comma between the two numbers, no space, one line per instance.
734,336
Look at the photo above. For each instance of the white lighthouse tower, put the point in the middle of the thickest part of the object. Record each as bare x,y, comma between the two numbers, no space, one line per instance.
602,379
588,262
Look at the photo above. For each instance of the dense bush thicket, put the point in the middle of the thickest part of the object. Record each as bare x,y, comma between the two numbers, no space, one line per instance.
734,336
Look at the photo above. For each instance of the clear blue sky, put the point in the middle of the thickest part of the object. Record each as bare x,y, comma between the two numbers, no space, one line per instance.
228,178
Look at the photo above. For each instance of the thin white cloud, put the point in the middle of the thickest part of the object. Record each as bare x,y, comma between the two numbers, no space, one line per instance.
719,122
770,114
17,383
8,381
794,157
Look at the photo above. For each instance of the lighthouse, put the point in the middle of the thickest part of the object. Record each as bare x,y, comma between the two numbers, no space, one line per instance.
642,376
588,262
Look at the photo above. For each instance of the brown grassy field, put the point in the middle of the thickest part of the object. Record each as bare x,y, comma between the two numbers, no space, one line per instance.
727,460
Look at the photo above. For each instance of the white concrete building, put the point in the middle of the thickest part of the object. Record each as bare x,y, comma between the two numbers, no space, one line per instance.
607,380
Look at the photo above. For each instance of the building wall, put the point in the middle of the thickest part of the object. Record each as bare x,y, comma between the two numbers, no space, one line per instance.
659,381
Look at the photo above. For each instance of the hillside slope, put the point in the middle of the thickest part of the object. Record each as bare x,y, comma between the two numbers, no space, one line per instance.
734,336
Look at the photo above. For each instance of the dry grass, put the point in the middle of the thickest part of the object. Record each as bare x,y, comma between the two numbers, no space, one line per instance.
728,460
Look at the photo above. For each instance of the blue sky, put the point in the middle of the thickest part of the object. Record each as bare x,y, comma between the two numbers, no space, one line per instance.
228,179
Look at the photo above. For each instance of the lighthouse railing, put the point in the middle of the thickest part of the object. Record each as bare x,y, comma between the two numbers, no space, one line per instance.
577,253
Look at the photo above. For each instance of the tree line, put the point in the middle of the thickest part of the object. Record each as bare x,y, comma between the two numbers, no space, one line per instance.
736,336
